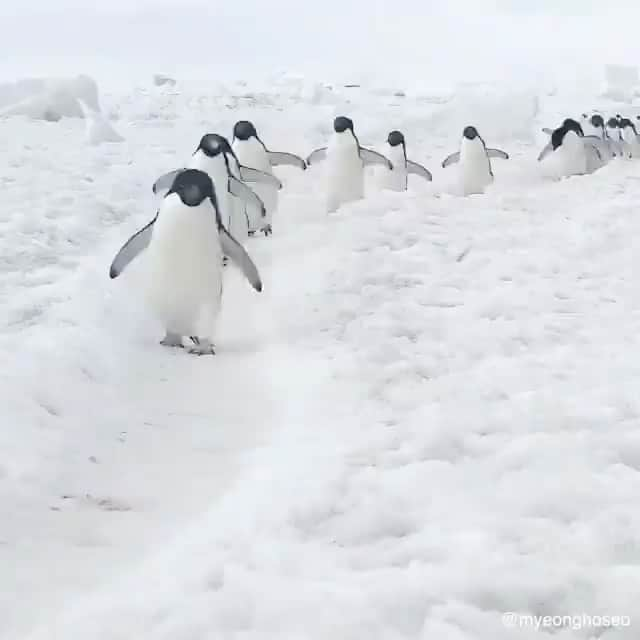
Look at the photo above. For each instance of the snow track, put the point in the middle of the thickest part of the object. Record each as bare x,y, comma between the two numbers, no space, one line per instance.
429,418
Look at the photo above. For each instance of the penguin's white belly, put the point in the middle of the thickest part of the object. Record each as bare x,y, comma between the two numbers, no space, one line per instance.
573,160
394,179
594,159
184,262
252,154
217,171
475,173
345,178
269,196
239,220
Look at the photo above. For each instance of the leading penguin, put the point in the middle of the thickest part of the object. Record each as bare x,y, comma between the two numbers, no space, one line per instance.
475,162
397,178
184,245
346,160
252,152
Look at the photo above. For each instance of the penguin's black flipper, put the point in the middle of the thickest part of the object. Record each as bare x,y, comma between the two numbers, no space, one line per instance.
236,252
452,159
240,190
418,170
165,181
254,175
497,153
277,158
135,245
370,157
317,156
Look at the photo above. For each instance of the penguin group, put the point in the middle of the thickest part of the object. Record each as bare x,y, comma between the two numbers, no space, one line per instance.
227,192
582,147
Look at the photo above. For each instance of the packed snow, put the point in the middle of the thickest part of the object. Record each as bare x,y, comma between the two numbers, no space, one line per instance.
429,417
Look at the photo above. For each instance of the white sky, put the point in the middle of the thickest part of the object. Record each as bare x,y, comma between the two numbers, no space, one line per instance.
472,37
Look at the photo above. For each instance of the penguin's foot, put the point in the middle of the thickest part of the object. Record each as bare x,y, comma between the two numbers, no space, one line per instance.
267,230
251,233
172,340
202,347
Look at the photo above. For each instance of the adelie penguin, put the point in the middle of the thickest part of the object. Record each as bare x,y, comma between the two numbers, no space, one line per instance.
215,157
184,245
252,152
476,173
588,126
345,159
630,140
573,153
397,178
608,148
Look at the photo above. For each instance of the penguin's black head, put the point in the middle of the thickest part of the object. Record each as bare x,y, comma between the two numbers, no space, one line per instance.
557,137
626,123
193,187
395,139
213,144
573,125
341,124
597,121
613,123
470,133
243,130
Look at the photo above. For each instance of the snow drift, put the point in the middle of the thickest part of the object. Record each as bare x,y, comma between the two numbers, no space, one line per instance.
49,98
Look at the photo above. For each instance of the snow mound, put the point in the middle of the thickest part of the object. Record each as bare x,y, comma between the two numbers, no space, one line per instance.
49,98
98,129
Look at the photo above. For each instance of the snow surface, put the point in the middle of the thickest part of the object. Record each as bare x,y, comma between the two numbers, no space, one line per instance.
428,418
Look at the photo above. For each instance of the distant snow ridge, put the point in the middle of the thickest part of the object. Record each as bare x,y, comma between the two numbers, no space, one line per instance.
159,79
499,115
49,98
622,83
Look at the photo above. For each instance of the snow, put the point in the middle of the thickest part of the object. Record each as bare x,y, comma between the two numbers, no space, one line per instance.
49,98
621,82
428,418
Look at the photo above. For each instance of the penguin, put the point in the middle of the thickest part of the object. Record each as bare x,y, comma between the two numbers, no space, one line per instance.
397,178
613,129
588,127
184,245
573,152
346,160
569,124
252,152
475,162
629,136
607,147
215,156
